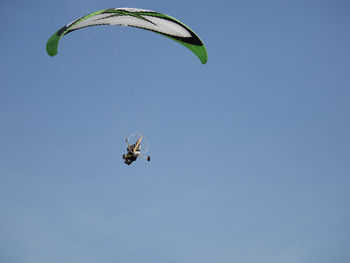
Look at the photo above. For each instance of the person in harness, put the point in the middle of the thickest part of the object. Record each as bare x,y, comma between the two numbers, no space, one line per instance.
133,152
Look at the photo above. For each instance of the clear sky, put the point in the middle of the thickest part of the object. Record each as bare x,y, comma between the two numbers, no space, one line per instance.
250,152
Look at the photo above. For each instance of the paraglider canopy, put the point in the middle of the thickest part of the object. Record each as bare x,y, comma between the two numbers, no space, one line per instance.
140,18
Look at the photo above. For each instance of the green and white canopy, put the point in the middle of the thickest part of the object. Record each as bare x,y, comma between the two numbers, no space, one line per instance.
140,18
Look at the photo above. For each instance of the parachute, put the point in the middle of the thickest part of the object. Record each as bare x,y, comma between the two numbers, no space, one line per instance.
139,18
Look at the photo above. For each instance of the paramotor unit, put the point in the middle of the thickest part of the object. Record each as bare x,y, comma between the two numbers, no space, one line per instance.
137,146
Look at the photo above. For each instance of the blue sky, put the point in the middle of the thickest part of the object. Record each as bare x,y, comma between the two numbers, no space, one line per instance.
250,152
